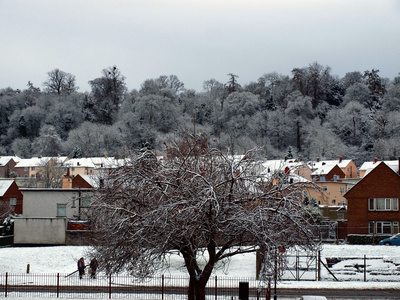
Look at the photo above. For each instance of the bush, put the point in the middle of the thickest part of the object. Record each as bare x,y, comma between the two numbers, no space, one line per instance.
359,239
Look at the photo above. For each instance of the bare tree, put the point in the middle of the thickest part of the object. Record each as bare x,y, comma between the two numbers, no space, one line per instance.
60,82
50,173
198,201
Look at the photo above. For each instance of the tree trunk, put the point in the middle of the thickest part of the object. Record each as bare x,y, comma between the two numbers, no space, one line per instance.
197,289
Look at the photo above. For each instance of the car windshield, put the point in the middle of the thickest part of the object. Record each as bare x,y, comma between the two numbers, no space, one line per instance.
396,236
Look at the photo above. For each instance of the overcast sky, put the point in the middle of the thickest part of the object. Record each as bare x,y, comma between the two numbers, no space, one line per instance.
194,39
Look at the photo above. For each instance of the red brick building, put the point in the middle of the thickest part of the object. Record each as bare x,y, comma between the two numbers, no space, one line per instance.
7,166
84,181
373,203
328,173
10,194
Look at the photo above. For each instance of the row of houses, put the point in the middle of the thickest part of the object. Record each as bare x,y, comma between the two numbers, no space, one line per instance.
361,201
358,200
36,167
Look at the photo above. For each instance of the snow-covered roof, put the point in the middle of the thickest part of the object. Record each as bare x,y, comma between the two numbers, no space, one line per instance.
323,170
79,162
342,163
91,179
5,159
5,185
271,166
39,161
368,166
103,160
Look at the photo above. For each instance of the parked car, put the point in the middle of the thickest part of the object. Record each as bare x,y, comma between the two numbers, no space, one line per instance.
312,297
393,240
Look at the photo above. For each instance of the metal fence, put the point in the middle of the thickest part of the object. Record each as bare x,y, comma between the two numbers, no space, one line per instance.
117,286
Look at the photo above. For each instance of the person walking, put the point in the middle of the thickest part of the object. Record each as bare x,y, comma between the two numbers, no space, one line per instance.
81,267
93,266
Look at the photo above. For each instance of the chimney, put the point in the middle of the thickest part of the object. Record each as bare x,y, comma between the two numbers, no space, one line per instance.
67,181
340,159
287,170
375,160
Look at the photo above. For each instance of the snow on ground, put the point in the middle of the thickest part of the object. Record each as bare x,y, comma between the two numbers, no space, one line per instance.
63,259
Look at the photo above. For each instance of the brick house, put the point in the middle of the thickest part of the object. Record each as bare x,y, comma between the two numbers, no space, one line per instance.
348,166
328,173
84,181
10,194
373,203
328,193
7,166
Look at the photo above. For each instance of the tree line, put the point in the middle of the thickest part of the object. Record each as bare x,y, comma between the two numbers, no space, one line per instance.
311,113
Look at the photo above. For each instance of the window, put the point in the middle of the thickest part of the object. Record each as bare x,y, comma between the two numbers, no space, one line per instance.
371,204
383,227
26,169
61,210
33,168
322,178
333,202
13,201
383,204
341,190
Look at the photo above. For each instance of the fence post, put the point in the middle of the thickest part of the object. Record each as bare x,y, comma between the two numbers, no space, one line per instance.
109,288
162,286
319,266
6,287
58,285
365,267
215,288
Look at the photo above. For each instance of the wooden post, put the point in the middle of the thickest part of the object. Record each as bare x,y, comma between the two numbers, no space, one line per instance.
216,281
6,287
319,266
58,285
162,286
28,268
365,267
109,288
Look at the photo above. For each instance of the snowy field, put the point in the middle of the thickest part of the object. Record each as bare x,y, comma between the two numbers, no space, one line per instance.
63,259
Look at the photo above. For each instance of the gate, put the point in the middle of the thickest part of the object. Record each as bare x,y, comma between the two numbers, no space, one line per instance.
301,267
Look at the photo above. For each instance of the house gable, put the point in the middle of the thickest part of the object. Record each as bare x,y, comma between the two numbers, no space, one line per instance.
83,181
382,181
335,171
10,194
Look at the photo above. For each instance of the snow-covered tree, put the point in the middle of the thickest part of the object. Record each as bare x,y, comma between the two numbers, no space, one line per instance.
198,201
